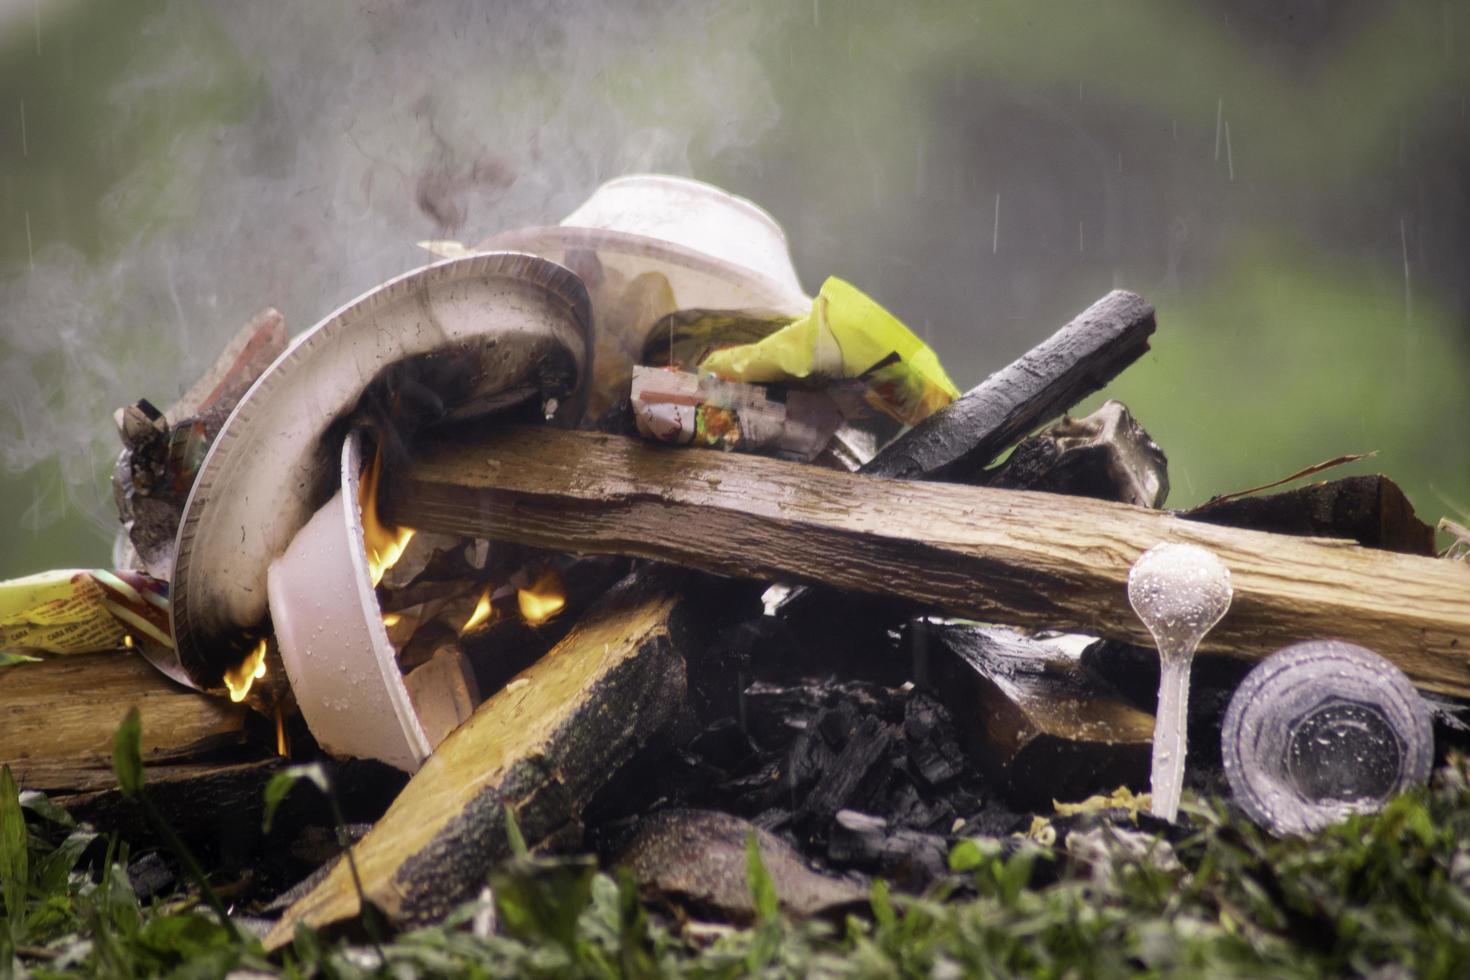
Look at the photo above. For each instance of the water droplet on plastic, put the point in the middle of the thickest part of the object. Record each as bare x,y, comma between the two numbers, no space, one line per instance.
1321,730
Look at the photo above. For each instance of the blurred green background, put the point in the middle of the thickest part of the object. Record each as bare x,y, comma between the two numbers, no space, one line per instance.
1288,182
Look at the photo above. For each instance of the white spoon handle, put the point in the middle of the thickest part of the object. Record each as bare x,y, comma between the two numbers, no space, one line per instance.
1170,737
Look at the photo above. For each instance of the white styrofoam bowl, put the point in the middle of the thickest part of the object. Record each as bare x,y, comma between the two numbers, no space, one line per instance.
719,251
341,665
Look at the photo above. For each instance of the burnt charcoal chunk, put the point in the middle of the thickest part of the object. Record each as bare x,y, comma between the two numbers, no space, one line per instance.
1106,455
722,744
855,777
934,755
909,858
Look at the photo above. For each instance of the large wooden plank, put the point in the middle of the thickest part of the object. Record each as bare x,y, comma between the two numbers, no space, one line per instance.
540,747
1027,559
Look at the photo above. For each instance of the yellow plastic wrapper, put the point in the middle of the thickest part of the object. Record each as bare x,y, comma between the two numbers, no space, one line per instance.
79,611
847,335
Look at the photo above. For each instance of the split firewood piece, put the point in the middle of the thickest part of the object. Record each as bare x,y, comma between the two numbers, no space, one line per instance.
1040,722
1034,560
1370,510
959,441
60,714
540,747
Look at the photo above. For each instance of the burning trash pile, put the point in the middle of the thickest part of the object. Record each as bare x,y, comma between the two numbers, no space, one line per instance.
609,528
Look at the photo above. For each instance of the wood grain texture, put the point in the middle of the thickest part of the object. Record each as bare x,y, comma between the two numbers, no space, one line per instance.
957,442
540,747
1016,557
57,718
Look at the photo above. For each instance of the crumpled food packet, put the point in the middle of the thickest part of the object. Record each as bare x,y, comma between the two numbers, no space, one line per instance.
80,611
846,335
683,408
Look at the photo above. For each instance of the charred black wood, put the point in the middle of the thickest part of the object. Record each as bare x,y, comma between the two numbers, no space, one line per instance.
1106,455
1041,724
1133,672
1370,510
958,442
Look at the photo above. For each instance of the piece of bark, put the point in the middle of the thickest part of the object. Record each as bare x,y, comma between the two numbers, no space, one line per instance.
1040,723
1106,455
696,860
540,747
959,441
57,718
1028,559
1370,510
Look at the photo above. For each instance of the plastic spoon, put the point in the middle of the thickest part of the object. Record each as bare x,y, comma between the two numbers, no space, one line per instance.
1179,591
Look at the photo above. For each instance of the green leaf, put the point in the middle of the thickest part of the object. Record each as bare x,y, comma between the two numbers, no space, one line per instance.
762,888
284,781
542,899
883,912
9,658
513,835
966,856
42,806
14,861
59,863
127,754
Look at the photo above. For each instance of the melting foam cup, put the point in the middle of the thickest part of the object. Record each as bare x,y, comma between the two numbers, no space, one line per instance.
649,245
342,667
1320,730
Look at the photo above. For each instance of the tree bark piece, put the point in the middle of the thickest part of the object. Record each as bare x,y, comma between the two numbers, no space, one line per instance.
958,442
1037,720
1028,559
540,747
57,718
1370,510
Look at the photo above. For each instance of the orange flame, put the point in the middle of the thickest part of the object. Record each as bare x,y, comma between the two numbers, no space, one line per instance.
384,543
483,611
241,677
544,599
283,744
391,620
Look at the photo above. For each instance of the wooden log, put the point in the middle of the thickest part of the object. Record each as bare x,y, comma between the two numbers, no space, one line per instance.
539,747
57,718
1008,556
1038,721
959,441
